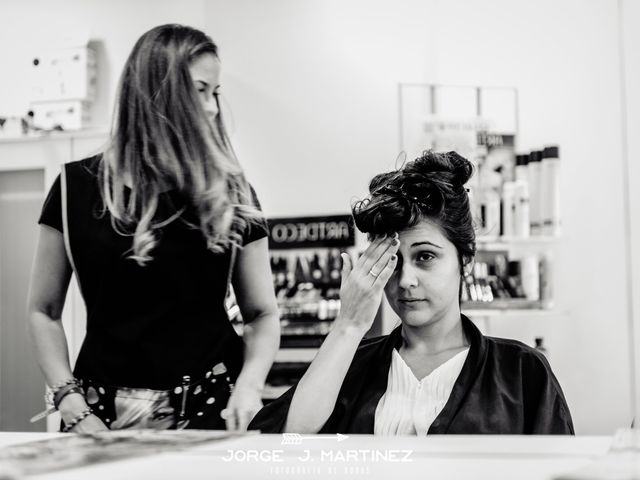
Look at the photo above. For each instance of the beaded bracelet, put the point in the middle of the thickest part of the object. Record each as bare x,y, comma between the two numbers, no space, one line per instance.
76,420
56,387
55,394
63,392
64,383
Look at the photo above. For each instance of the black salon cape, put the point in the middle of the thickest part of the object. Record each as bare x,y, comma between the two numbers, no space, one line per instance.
505,387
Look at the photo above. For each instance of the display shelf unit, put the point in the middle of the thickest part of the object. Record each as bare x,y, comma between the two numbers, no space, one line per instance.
481,123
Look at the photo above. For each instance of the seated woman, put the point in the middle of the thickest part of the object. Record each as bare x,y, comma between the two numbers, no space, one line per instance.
435,373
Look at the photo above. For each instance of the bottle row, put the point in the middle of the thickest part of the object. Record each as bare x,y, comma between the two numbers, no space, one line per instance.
504,282
307,284
524,204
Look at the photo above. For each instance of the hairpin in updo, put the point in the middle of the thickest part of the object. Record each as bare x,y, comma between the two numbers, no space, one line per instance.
424,193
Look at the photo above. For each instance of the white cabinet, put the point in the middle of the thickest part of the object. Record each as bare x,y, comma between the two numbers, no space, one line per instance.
21,384
28,167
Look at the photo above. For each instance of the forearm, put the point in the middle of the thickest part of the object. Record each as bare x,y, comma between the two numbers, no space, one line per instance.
52,354
317,391
50,344
261,339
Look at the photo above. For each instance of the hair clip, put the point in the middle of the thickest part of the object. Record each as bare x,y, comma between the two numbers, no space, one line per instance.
402,191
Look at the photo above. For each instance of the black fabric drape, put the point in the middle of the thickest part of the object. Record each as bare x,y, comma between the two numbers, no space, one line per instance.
505,387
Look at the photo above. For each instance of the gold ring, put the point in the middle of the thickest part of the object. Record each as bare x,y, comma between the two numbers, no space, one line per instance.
373,274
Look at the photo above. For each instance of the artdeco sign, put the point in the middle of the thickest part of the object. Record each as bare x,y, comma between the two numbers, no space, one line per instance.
307,232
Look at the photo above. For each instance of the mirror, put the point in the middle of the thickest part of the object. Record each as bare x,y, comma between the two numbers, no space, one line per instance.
313,97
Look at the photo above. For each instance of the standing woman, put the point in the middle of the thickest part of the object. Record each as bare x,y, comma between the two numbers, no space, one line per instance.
435,373
156,228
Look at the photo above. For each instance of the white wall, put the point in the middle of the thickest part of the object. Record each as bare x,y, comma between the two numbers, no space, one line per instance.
26,26
631,18
313,88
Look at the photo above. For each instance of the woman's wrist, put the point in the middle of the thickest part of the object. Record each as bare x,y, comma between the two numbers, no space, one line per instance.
71,405
71,424
249,385
350,328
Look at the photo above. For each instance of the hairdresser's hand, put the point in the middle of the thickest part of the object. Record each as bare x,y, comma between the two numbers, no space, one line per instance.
363,282
74,404
244,403
91,424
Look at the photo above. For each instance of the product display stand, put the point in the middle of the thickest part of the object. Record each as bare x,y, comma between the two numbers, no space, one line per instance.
514,198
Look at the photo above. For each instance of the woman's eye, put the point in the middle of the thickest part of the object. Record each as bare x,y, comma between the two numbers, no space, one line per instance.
425,256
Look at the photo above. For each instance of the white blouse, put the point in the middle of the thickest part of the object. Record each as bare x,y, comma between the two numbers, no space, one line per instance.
409,405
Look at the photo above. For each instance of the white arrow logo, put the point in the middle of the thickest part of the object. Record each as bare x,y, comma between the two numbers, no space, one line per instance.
296,438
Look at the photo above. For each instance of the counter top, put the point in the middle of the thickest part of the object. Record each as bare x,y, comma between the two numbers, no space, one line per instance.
353,456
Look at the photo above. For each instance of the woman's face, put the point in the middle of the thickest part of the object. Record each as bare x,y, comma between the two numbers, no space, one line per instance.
425,285
205,73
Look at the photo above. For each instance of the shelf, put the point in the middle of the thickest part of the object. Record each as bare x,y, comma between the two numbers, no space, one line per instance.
499,243
513,307
519,312
506,304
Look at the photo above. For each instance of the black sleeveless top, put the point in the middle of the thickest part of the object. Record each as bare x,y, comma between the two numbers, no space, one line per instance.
147,326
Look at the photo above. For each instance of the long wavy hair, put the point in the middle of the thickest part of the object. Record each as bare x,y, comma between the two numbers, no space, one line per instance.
161,139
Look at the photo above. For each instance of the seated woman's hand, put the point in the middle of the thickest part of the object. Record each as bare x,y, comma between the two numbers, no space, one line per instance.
363,282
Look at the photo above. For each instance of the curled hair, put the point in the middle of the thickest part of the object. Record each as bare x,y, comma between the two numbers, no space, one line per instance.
428,188
162,139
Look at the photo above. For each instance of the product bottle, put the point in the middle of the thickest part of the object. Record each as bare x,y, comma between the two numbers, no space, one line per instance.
490,208
508,209
326,268
486,286
522,169
529,272
551,193
323,309
279,269
546,277
514,280
497,286
273,261
534,167
478,282
471,287
300,274
522,212
540,345
336,268
316,269
501,270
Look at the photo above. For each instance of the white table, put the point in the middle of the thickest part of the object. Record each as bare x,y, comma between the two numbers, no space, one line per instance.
356,457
